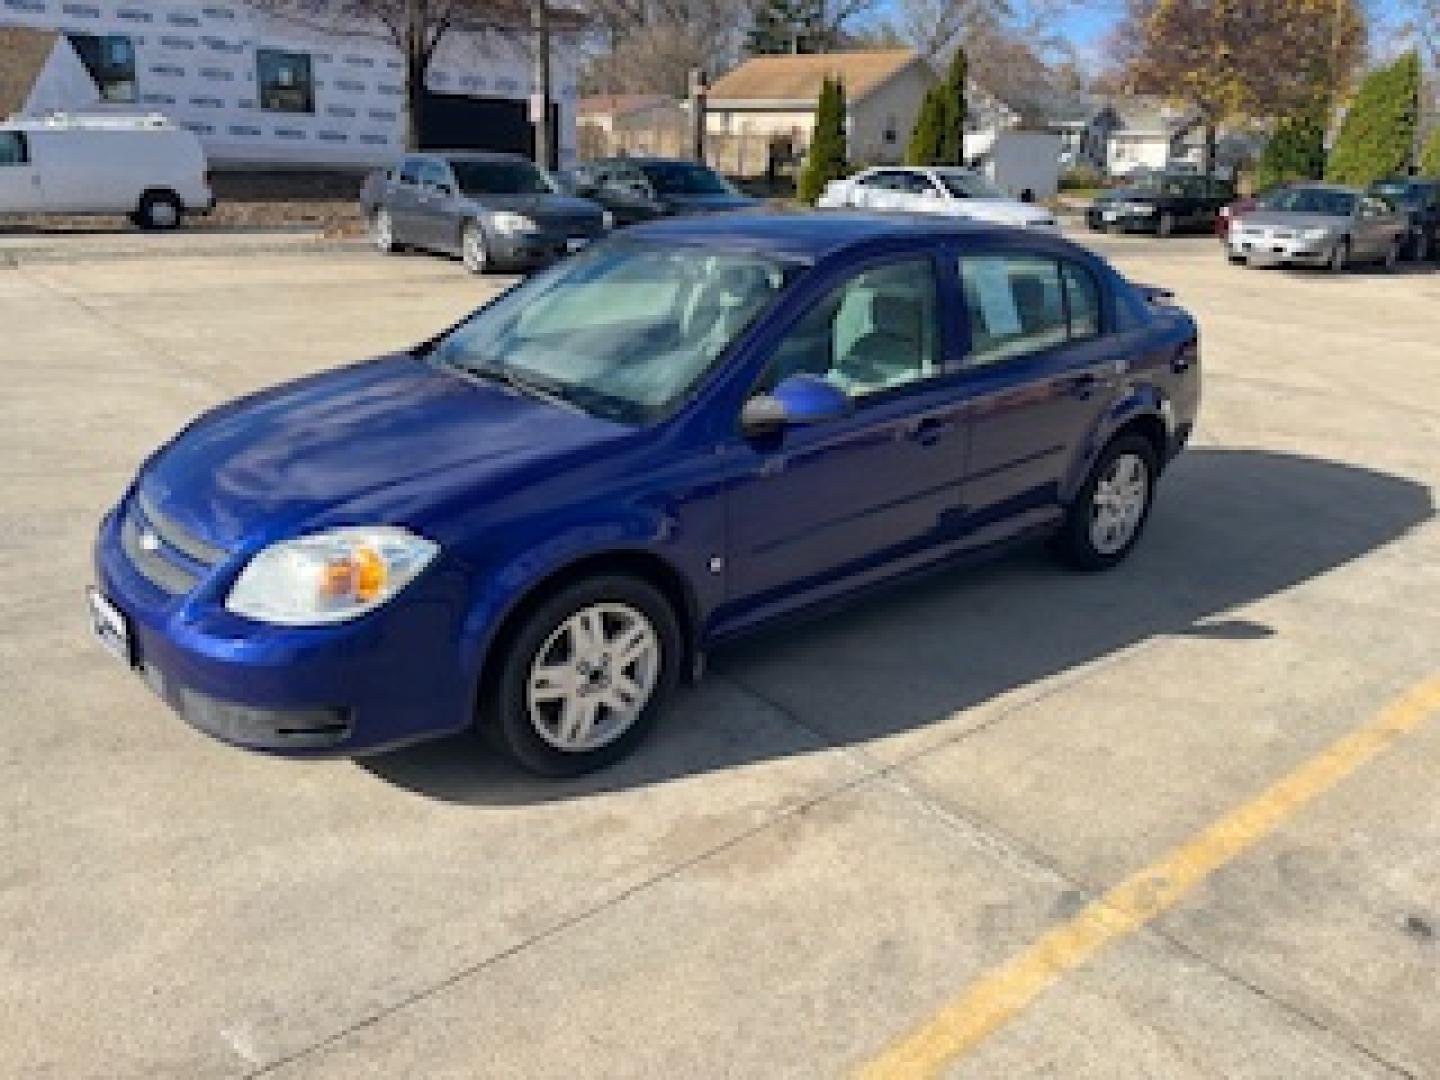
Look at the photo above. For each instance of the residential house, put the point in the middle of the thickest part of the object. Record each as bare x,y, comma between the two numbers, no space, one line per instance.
1084,127
1153,135
262,90
763,112
636,124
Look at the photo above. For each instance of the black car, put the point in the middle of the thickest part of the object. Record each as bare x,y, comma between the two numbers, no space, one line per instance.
641,189
1420,200
493,210
1162,203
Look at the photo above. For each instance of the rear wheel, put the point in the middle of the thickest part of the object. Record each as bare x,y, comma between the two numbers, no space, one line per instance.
584,678
1109,512
1340,256
159,211
1392,254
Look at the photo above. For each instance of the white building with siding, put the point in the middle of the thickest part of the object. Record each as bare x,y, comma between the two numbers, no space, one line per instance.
260,91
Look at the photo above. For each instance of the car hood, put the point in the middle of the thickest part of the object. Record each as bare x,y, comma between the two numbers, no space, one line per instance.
389,441
1004,211
1286,219
701,204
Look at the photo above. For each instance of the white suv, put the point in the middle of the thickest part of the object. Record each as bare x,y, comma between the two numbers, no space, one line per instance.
141,166
935,189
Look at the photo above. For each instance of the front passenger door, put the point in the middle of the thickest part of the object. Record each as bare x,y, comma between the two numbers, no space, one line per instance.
814,507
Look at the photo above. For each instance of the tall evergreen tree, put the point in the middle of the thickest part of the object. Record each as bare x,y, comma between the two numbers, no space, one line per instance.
788,26
1377,138
826,159
952,120
1430,156
924,145
1296,150
938,137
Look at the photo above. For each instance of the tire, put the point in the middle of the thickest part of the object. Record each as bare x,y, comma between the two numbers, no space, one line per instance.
1420,252
1166,225
382,232
1235,260
1392,255
1085,540
159,211
474,252
1340,256
570,722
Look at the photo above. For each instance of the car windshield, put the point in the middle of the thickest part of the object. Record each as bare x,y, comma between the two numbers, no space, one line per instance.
964,185
623,331
683,178
500,178
1312,201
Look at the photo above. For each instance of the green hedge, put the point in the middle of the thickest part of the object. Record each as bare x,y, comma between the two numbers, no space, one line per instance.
1377,138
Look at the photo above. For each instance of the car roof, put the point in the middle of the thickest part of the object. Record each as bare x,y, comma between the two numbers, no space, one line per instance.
1316,185
807,235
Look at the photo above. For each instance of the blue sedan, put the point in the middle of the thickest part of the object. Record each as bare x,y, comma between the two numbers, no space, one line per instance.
542,519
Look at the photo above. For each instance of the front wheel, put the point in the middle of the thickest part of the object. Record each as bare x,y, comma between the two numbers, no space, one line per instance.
159,211
1109,512
1340,256
473,250
583,680
1392,254
382,232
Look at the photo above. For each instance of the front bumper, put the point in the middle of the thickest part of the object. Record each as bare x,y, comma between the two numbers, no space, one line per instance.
1287,251
532,248
394,676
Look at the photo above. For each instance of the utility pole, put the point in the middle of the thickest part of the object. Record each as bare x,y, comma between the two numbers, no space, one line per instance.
697,115
541,96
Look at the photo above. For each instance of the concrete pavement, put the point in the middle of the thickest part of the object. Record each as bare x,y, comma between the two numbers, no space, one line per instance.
845,826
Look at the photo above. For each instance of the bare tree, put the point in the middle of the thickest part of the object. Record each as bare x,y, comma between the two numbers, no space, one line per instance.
649,46
414,28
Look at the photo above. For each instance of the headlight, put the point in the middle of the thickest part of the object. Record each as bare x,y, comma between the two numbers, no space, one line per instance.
329,577
507,221
1141,208
607,220
1315,234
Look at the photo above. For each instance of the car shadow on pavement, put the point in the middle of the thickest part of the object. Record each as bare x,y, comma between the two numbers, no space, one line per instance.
1230,527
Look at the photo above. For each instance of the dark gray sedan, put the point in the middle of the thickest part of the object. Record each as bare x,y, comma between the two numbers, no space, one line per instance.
496,211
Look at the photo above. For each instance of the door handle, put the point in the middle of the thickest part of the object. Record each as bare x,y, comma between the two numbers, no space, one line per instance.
929,430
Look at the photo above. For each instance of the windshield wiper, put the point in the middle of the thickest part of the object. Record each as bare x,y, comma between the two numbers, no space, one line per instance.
528,385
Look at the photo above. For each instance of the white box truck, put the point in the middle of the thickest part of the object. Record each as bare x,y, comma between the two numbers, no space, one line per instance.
142,166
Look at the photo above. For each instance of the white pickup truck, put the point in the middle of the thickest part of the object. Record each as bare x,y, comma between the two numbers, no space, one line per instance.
142,166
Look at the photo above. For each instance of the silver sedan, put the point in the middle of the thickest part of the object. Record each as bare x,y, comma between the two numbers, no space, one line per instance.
1318,225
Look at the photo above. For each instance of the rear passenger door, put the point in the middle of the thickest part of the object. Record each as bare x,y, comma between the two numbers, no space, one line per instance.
403,201
20,188
1042,369
436,220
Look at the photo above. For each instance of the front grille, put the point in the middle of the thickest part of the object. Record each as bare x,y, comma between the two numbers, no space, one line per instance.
166,554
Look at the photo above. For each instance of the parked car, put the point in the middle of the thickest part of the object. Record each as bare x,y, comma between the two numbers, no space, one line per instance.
642,189
952,192
496,211
1164,203
1319,225
546,515
141,166
1419,200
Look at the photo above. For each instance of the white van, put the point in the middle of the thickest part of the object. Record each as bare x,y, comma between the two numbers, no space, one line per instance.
142,166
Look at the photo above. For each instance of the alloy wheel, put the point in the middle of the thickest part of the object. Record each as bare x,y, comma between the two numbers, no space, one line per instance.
384,231
1118,505
593,676
473,251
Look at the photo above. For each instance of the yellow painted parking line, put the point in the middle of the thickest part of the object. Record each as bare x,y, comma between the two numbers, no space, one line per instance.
1007,990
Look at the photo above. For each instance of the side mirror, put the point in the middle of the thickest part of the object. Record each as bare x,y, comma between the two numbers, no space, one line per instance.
798,400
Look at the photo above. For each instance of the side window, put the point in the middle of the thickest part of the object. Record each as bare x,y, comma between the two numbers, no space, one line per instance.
881,181
110,60
410,172
1082,296
287,82
916,184
876,332
13,149
1015,305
